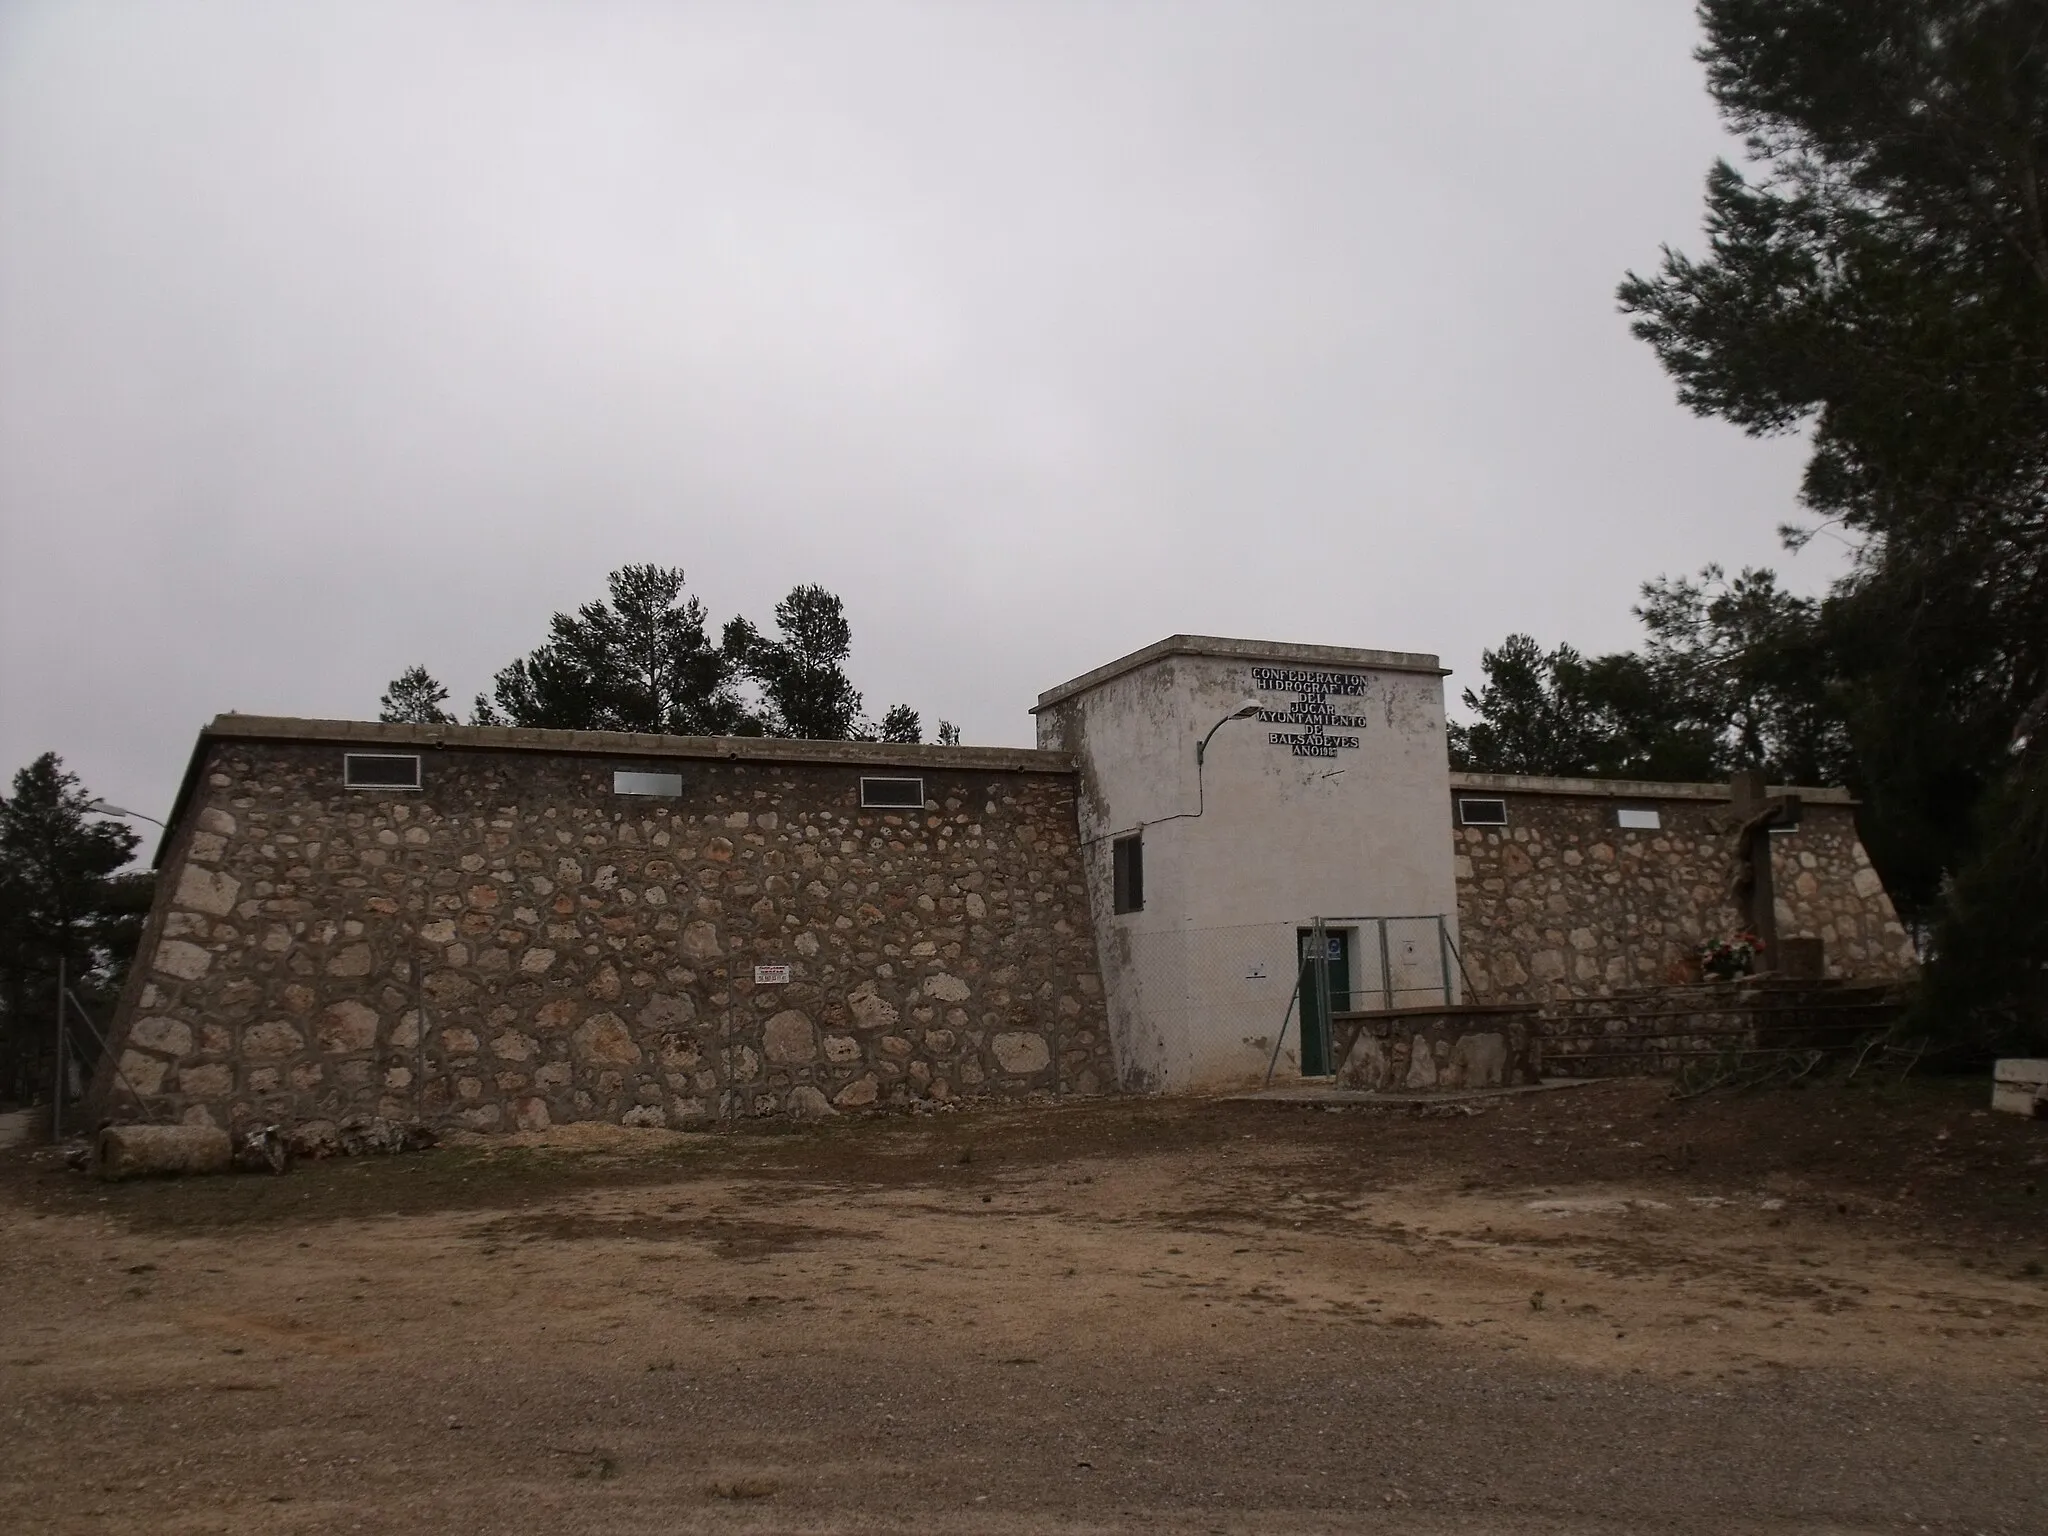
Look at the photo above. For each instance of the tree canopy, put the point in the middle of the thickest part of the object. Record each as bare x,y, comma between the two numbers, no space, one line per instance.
1731,675
802,668
643,659
901,723
414,698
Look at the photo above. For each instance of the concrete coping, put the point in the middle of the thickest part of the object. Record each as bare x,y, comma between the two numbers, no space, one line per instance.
1632,789
754,749
1434,1011
1279,652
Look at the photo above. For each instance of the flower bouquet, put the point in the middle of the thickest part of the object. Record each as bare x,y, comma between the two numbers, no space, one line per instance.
1726,959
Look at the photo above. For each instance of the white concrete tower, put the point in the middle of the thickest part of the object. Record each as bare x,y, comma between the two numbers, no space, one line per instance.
1206,864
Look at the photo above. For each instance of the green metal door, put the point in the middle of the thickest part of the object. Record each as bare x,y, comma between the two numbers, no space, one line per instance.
1316,1008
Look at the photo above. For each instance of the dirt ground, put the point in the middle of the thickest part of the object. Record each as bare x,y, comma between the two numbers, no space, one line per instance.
1593,1310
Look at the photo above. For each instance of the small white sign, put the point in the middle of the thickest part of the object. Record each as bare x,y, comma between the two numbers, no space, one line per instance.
771,975
1256,973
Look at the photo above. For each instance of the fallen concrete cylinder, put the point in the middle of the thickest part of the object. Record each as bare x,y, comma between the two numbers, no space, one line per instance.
143,1151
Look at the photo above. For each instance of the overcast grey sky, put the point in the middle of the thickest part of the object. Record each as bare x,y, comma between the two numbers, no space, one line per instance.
335,337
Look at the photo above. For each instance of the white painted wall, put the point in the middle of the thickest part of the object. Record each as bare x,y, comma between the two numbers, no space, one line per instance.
1281,839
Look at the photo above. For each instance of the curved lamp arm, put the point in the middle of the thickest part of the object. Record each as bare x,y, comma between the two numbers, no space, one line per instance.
102,808
1245,711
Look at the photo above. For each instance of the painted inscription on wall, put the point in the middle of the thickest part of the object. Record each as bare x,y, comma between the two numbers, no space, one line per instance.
1319,713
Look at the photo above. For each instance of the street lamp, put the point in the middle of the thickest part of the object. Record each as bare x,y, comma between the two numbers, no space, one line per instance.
103,808
1245,711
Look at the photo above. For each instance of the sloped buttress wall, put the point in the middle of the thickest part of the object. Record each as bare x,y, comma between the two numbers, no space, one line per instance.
515,945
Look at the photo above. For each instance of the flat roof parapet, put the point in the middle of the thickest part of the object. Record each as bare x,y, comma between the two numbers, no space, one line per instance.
1632,789
754,749
1249,651
378,734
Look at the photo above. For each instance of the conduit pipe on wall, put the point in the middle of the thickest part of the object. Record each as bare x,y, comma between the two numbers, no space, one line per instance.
1248,710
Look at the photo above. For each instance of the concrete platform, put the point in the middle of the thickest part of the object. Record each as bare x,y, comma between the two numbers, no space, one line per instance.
1315,1093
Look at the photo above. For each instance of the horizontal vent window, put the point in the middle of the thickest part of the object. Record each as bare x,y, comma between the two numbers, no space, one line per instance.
667,785
1474,812
892,794
380,770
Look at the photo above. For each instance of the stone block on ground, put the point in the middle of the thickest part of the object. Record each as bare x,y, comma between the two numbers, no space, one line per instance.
807,1103
2019,1086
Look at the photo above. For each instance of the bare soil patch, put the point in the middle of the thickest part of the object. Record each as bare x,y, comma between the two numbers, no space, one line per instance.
1591,1311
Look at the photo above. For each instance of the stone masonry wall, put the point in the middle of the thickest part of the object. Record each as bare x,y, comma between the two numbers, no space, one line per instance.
514,945
1561,902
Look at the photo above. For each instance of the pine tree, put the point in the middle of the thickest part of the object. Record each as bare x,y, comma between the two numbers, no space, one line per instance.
414,698
643,661
802,670
63,897
901,724
1735,673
